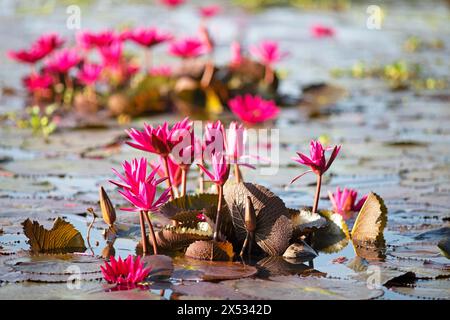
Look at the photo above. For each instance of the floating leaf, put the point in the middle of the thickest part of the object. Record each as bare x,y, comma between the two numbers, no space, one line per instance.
304,288
210,250
371,220
62,237
299,252
305,222
161,266
334,237
206,290
273,227
198,270
175,238
205,202
435,289
444,246
55,268
275,266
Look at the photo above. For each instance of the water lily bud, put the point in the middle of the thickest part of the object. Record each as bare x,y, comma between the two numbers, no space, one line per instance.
250,215
107,208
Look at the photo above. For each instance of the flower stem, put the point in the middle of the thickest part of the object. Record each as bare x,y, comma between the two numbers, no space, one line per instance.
219,206
148,59
183,181
143,233
152,232
269,75
169,178
317,196
237,173
201,180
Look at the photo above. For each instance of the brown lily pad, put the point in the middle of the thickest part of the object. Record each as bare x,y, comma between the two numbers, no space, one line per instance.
199,270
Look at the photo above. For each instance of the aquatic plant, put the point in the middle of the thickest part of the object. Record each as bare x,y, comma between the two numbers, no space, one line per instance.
140,190
209,11
321,31
187,48
253,109
268,53
218,175
345,201
317,163
123,272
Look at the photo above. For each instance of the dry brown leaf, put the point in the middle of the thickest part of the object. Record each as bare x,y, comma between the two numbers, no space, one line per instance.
371,220
62,237
210,250
273,227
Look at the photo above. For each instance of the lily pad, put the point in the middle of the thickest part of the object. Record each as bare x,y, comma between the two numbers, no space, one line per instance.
426,289
61,238
273,227
305,288
55,268
199,270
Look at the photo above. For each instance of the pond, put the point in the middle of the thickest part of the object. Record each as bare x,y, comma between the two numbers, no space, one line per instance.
395,143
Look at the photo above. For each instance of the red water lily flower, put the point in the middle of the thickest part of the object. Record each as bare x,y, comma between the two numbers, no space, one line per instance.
317,160
41,48
210,11
49,42
138,188
88,40
111,54
30,56
318,164
63,60
128,271
89,74
151,139
345,201
187,48
236,54
321,31
253,109
149,37
35,81
267,52
172,3
220,169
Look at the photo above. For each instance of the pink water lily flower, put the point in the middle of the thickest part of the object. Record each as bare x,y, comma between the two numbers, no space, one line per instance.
41,48
187,48
139,188
149,37
49,42
214,139
128,271
321,31
210,11
135,172
236,54
253,109
172,3
30,56
35,81
151,139
235,144
182,137
111,54
220,169
345,201
63,60
267,52
317,160
89,74
88,40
